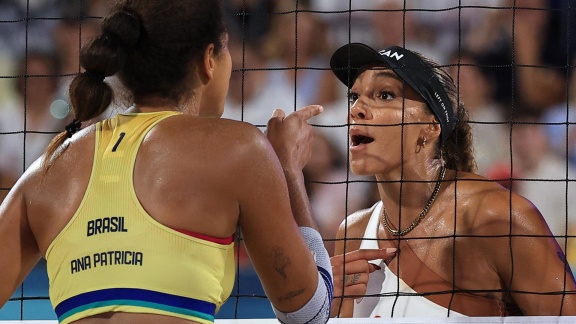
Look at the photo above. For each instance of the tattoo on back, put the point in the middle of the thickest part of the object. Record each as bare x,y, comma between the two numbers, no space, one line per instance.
280,261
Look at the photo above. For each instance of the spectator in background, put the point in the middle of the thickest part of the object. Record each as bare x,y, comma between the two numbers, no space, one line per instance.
542,176
246,99
249,18
305,49
557,119
334,124
433,27
70,33
36,49
540,39
24,26
404,28
6,69
489,125
438,27
346,20
450,21
17,34
537,64
34,112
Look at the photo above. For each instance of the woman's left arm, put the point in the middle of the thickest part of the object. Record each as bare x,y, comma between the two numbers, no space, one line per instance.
531,263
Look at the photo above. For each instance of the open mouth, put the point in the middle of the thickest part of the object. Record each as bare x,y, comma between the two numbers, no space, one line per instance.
360,139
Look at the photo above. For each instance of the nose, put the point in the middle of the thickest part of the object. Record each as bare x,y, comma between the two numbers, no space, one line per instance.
359,111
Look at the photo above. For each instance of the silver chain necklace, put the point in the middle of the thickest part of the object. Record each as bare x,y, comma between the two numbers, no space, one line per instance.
384,214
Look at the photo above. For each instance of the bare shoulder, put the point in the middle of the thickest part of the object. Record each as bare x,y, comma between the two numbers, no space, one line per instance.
187,142
495,208
230,135
60,183
352,229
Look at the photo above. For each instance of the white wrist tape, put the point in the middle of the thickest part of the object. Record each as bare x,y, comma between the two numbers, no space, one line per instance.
317,309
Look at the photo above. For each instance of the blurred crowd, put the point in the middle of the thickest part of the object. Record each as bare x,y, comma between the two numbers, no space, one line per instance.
512,61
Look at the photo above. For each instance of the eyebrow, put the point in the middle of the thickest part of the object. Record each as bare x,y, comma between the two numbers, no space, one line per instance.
390,74
383,72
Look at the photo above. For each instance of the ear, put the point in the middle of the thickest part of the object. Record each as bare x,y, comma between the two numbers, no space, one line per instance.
432,130
207,65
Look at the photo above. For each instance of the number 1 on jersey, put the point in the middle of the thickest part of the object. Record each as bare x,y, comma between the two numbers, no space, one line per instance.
118,142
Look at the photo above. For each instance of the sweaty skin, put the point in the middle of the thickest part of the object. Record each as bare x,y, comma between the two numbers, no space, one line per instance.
468,228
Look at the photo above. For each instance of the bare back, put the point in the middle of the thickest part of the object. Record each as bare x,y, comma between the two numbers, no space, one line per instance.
202,175
173,180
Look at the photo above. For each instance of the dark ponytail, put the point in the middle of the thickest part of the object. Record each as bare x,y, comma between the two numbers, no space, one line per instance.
458,151
104,56
150,46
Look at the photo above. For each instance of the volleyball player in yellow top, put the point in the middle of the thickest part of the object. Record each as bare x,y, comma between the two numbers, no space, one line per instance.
136,215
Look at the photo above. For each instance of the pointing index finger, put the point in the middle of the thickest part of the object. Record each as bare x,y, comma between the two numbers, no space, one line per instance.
309,111
278,113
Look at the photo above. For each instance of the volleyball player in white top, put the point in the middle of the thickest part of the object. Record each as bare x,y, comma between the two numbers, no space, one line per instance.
465,245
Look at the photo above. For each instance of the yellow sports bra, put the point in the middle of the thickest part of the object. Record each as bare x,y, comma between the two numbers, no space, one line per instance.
114,257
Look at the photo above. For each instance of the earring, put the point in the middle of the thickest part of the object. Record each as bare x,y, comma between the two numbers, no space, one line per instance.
421,143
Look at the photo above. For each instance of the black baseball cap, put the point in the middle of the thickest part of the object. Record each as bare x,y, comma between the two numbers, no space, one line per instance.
348,59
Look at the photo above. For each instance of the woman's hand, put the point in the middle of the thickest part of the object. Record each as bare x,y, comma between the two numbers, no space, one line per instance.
291,136
350,273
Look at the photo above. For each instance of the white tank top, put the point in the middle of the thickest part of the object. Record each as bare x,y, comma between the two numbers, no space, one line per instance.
386,294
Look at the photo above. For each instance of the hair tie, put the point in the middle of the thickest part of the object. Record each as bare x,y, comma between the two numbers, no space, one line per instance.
95,75
73,127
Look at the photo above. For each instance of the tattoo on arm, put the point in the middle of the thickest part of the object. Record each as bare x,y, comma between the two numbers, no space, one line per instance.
291,294
280,261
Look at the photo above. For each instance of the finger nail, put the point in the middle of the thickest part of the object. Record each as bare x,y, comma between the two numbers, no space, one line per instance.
391,250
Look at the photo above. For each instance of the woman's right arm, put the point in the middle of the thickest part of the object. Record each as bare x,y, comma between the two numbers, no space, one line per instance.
277,227
18,249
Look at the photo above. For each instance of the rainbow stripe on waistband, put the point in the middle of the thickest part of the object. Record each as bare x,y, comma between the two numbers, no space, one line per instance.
124,298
